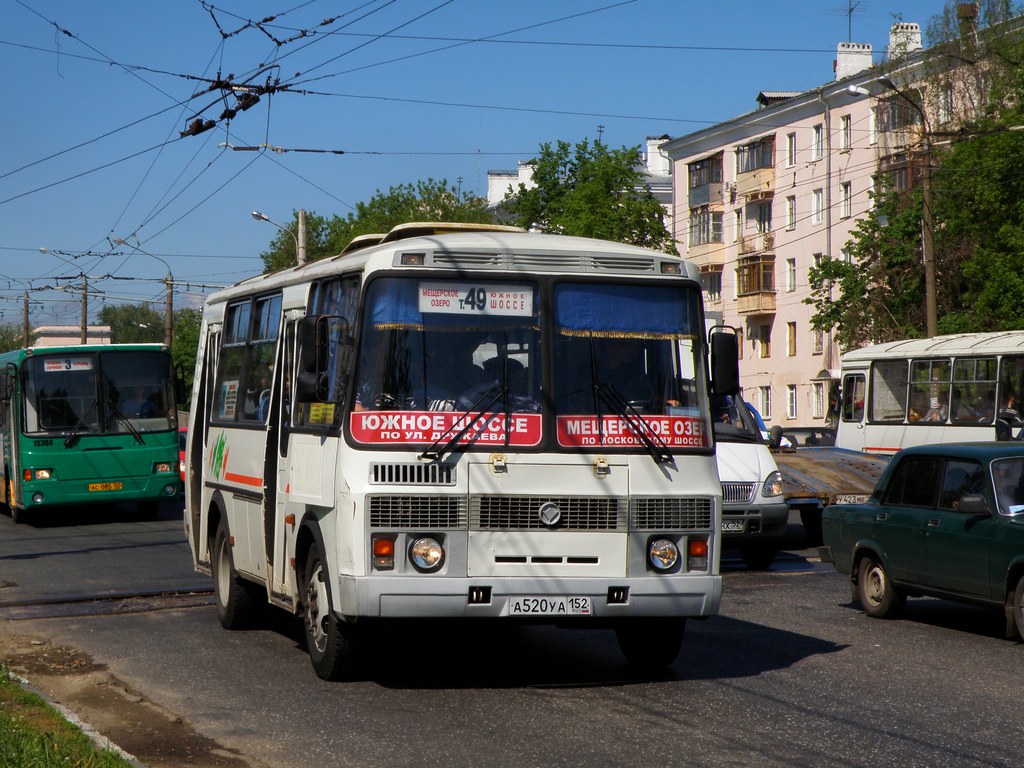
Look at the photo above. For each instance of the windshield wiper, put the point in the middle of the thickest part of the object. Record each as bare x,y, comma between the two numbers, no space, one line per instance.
73,436
127,422
481,406
611,397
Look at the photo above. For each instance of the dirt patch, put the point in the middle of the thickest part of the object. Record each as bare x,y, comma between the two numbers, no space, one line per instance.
156,737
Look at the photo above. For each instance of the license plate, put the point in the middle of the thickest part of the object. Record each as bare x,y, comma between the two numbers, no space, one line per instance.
851,498
522,605
732,526
105,486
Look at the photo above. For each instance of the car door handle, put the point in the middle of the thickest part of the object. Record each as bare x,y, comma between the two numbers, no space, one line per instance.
933,522
882,516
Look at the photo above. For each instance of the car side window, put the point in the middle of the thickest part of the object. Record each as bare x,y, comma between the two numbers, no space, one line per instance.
960,479
914,482
1008,479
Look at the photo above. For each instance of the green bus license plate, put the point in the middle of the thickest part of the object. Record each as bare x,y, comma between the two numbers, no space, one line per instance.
105,486
521,605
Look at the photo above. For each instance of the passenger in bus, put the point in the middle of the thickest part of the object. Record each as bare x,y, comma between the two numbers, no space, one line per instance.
138,406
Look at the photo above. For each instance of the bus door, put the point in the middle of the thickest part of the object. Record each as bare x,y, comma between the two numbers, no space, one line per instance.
851,414
276,474
10,417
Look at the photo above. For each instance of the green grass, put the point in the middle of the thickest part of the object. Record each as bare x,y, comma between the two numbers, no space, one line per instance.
34,735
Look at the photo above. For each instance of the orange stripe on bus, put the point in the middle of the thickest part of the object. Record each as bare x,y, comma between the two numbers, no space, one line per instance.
244,479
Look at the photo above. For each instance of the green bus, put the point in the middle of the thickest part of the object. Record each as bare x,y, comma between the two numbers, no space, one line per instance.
88,424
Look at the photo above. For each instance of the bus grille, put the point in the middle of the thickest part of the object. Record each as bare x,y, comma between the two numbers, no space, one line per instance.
411,512
538,260
737,493
671,514
489,513
411,474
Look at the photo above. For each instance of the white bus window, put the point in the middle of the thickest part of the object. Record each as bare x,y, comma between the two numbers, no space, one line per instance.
853,398
929,391
974,390
889,391
246,364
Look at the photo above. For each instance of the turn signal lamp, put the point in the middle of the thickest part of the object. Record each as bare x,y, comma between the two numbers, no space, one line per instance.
383,553
697,555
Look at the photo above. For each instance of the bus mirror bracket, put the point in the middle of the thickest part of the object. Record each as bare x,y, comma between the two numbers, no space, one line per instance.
12,376
725,362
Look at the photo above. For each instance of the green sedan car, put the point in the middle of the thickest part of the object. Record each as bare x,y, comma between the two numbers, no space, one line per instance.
944,521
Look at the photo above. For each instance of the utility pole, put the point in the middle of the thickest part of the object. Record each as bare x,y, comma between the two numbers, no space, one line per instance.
169,309
24,320
300,241
85,310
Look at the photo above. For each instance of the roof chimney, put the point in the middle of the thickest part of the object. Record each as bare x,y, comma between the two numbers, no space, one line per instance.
904,38
967,17
852,58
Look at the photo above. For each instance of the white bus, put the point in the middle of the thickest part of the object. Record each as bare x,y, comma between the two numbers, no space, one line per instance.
958,388
461,421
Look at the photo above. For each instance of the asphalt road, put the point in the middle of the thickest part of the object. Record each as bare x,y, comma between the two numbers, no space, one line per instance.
790,674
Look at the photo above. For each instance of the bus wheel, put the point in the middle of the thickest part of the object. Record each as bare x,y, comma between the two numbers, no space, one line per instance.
650,644
236,607
330,645
18,515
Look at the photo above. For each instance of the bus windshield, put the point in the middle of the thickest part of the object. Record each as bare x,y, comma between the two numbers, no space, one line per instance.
448,347
98,393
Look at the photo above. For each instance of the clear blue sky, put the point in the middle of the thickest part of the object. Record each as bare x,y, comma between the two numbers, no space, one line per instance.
97,93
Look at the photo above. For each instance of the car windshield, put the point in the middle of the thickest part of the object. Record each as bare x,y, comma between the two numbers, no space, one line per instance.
1008,480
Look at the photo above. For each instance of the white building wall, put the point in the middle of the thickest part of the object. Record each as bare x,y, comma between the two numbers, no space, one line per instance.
784,372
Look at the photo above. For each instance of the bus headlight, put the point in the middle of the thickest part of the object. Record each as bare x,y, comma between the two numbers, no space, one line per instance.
772,484
663,554
426,554
37,474
162,467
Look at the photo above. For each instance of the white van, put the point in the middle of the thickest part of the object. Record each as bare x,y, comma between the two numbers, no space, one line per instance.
754,511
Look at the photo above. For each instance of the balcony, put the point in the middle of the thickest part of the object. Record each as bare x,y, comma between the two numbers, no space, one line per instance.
707,194
707,255
760,303
759,243
756,185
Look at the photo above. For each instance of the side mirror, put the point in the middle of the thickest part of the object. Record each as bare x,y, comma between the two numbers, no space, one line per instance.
973,504
179,384
324,351
725,361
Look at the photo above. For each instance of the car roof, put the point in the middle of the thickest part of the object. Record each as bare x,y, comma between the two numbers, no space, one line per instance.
983,452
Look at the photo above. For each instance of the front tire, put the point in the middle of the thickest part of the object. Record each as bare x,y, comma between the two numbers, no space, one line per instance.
330,645
759,555
650,644
236,607
876,593
1018,607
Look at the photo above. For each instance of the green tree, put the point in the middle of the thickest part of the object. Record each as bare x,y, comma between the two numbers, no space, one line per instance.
133,323
11,337
591,191
428,200
185,345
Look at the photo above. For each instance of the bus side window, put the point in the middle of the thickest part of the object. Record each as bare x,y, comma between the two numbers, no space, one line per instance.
853,398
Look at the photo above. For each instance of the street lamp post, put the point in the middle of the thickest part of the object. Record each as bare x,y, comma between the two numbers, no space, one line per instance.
300,239
169,293
927,224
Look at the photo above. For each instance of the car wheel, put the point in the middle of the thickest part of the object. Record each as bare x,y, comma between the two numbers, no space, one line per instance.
236,607
650,644
1018,606
878,597
759,555
331,646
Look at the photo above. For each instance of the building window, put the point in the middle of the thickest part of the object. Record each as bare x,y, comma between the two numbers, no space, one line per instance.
790,275
705,227
818,342
791,339
791,401
739,223
756,155
755,274
818,142
764,341
764,218
819,399
945,107
817,206
739,342
712,284
872,128
791,212
790,150
706,171
765,397
845,133
896,113
846,193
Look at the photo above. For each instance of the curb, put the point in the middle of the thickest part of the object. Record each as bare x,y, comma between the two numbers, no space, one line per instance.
97,738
